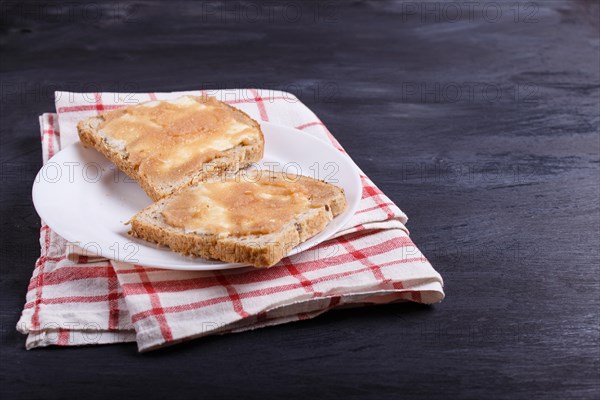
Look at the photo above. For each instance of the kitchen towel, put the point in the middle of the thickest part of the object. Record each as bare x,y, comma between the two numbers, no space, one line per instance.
75,298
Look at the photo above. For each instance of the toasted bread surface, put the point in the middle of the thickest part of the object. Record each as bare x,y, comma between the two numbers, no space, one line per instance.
228,160
259,250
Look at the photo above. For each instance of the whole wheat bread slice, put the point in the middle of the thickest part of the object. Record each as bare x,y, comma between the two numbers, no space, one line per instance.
230,160
257,250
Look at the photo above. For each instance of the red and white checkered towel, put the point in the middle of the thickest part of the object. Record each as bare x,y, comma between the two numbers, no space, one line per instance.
74,300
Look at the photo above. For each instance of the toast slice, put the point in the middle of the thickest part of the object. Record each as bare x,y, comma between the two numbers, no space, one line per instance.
254,217
168,145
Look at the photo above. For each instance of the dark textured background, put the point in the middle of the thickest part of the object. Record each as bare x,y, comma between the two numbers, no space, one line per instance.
483,129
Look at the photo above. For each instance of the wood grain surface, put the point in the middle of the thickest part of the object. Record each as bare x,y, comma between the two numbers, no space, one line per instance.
479,119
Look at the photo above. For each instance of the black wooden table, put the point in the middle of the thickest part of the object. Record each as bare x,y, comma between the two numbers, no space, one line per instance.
479,119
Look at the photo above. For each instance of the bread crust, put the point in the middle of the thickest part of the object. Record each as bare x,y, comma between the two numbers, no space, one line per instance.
260,251
234,159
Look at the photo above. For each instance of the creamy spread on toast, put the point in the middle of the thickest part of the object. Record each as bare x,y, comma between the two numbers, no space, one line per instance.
167,140
258,204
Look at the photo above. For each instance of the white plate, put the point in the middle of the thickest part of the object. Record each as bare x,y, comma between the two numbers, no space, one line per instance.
87,200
